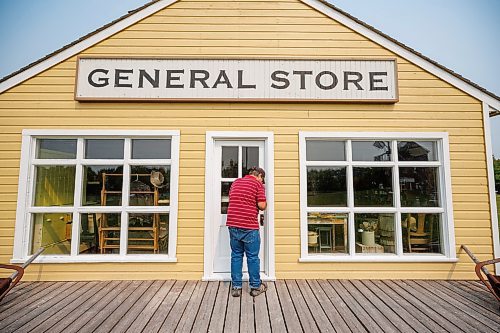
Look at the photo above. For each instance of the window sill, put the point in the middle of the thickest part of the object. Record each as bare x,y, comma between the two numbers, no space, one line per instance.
378,258
147,258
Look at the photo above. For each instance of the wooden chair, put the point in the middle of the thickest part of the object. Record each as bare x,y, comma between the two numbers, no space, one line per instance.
418,240
492,282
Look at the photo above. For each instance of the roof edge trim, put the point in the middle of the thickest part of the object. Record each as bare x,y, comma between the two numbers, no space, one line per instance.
91,39
412,56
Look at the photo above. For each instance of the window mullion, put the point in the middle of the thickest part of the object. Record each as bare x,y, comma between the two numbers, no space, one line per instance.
351,235
397,198
75,234
125,197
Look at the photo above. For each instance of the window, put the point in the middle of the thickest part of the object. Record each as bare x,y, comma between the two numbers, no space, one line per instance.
98,195
366,196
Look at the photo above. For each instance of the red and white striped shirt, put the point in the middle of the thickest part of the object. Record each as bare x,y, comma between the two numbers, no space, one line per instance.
244,195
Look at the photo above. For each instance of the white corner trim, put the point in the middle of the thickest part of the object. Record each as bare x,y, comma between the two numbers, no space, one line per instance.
84,44
410,56
491,184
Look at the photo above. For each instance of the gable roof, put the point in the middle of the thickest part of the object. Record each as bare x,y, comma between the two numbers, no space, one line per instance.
322,6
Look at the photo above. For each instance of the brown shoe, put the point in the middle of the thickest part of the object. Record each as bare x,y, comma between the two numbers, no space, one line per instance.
236,292
257,291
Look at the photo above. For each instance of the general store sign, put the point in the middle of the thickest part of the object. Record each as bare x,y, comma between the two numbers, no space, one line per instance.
236,80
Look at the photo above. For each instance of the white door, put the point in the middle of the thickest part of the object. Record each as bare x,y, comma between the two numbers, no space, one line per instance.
232,160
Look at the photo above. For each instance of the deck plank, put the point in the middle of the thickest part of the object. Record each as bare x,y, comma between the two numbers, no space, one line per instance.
202,320
404,309
150,309
262,322
219,312
247,318
477,297
22,288
338,303
382,313
232,320
175,315
275,310
452,314
111,318
305,317
134,311
192,308
468,308
291,318
319,315
163,310
38,310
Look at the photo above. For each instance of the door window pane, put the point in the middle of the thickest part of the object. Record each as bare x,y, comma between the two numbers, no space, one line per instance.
371,151
327,233
100,233
421,233
148,233
102,185
225,187
56,148
322,150
419,187
373,187
249,158
54,185
104,149
151,149
417,151
326,186
149,185
375,233
52,230
229,162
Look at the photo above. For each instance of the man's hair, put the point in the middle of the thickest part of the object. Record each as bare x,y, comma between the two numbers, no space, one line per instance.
255,171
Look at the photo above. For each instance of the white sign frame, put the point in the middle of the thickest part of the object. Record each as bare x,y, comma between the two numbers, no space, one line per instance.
245,80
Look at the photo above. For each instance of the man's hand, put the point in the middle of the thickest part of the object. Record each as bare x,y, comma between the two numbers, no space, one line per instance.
262,205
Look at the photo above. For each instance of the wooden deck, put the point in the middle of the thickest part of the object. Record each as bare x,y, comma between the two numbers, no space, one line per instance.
288,306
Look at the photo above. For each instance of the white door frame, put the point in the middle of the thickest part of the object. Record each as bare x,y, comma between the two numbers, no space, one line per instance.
268,138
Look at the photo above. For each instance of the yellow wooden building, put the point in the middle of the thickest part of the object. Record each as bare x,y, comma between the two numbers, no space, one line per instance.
117,152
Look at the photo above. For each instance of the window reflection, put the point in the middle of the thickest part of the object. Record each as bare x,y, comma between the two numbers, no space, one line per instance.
372,187
323,150
148,233
100,233
229,162
419,187
225,187
417,151
55,185
151,149
104,148
56,148
102,185
421,233
249,158
52,230
327,233
326,186
371,151
149,185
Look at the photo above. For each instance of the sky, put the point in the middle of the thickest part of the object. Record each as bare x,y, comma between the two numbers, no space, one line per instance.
462,35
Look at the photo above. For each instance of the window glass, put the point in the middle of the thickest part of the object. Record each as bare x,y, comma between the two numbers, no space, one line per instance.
371,151
56,148
327,233
102,185
417,151
229,162
375,233
52,230
108,149
326,186
151,149
372,187
149,185
421,233
322,150
100,233
54,185
249,158
148,233
419,187
225,187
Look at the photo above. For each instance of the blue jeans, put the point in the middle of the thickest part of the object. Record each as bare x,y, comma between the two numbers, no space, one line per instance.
245,241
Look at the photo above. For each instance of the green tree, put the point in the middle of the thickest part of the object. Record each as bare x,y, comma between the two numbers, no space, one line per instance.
496,164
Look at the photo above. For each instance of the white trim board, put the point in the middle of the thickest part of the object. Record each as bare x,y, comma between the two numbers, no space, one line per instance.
316,4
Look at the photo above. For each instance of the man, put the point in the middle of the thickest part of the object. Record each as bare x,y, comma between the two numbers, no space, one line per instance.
246,197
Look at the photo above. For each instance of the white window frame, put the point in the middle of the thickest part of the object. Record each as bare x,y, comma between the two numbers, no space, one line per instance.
445,196
26,189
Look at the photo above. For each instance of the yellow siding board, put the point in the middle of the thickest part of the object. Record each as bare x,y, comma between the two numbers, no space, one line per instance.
243,29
